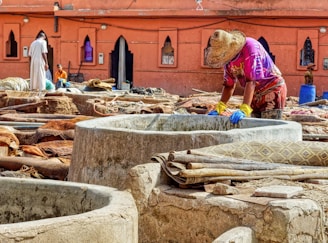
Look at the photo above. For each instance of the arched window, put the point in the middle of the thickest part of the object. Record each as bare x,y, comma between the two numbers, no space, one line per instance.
167,52
11,41
87,47
167,47
11,45
87,50
307,53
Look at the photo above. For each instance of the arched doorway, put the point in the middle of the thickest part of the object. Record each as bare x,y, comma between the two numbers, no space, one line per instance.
121,65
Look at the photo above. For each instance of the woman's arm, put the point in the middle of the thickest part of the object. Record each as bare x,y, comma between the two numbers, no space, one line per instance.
227,92
249,92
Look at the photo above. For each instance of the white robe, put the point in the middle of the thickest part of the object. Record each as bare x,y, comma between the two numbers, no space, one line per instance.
37,68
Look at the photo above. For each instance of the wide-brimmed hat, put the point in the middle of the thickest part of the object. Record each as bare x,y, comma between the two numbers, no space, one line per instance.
310,65
224,46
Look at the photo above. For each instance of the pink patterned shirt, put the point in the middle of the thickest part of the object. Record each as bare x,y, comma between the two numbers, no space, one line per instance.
252,63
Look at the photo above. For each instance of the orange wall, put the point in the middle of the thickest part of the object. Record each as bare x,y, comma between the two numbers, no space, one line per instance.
141,29
235,5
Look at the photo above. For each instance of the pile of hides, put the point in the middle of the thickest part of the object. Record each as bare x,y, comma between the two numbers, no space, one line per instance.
14,83
36,102
129,103
245,161
103,108
101,84
147,91
36,164
47,155
58,129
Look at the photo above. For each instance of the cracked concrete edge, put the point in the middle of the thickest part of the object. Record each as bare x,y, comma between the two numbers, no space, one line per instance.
118,220
301,219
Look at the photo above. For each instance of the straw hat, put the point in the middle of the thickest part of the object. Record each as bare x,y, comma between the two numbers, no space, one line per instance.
224,46
310,65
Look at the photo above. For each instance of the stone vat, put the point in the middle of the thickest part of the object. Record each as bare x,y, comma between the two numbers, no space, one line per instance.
121,142
171,214
33,210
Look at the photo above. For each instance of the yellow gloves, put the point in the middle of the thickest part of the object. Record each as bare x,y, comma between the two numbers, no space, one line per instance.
220,107
246,109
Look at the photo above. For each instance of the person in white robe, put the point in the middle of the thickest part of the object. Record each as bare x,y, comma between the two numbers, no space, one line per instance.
38,63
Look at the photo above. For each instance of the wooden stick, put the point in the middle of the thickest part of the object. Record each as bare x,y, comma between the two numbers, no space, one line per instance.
226,172
207,159
198,90
315,136
208,179
309,176
245,166
204,158
24,106
146,100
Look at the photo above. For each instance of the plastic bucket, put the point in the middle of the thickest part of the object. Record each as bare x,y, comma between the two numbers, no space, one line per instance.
325,95
307,93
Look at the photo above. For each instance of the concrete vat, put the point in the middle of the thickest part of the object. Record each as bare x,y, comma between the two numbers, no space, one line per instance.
121,142
33,210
